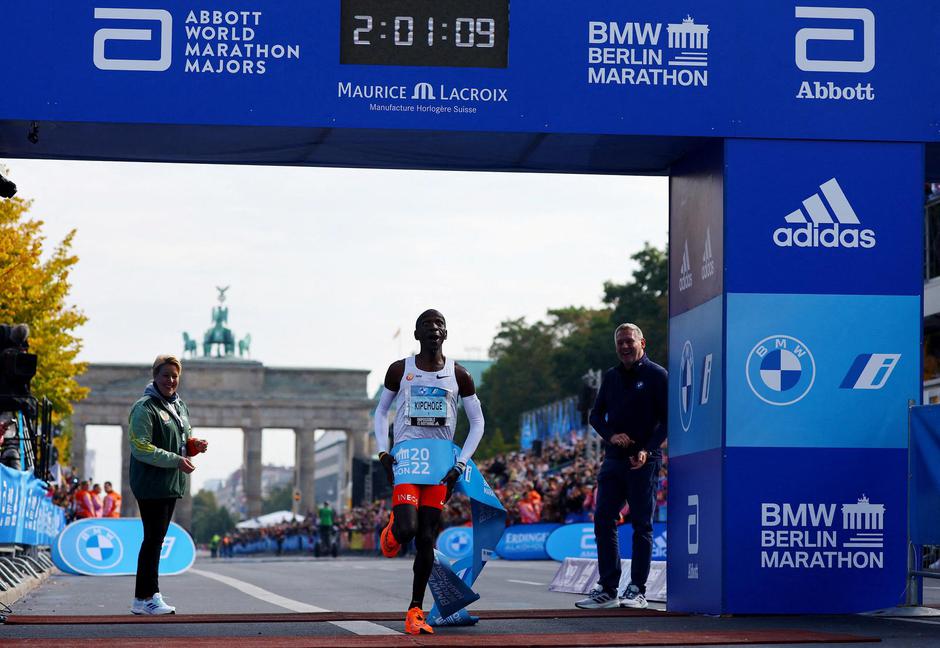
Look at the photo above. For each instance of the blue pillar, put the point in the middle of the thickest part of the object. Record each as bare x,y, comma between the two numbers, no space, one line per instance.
794,348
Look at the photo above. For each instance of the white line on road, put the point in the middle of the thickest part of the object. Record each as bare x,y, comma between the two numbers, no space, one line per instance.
357,627
522,582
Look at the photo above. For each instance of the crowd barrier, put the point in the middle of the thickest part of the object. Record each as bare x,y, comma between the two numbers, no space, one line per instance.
27,514
549,542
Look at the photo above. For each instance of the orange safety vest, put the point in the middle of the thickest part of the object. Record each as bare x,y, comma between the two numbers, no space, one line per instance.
112,505
83,506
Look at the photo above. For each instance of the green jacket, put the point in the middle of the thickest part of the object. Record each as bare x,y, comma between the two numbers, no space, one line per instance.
157,442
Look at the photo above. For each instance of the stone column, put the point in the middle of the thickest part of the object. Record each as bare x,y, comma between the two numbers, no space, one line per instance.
183,515
78,448
306,470
128,501
251,481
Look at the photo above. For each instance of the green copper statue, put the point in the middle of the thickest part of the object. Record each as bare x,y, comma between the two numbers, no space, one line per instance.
219,335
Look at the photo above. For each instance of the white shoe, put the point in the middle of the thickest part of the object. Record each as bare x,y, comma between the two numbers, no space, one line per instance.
633,598
159,597
151,606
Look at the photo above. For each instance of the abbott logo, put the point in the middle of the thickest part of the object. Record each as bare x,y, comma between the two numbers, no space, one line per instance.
823,231
809,34
102,36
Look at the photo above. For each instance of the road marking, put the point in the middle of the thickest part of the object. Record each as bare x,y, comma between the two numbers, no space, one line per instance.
522,582
357,627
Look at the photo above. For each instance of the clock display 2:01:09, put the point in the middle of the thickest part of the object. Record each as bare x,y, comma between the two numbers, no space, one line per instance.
386,33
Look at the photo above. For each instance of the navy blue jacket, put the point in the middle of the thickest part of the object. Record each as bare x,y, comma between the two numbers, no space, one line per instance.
633,401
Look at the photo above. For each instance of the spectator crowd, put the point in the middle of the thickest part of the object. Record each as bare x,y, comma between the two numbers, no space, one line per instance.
82,498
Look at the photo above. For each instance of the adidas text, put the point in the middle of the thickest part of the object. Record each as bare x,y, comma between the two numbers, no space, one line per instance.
830,90
829,236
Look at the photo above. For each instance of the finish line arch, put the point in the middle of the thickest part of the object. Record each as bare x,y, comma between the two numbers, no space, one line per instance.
794,133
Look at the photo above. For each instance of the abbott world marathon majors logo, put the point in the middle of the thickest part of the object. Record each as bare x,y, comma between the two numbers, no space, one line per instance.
829,224
822,536
780,370
648,53
217,42
99,548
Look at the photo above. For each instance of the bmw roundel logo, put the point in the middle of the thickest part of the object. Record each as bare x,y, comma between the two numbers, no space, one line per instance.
458,543
99,547
780,370
686,388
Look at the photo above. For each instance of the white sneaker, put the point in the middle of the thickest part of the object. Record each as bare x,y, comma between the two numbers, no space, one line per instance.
159,597
598,599
151,606
633,598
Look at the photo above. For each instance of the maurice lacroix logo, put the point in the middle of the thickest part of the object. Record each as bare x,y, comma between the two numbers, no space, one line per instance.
835,226
445,98
856,26
217,41
806,535
780,370
633,53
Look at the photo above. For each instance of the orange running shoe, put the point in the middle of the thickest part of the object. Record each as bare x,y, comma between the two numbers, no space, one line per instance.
415,624
387,541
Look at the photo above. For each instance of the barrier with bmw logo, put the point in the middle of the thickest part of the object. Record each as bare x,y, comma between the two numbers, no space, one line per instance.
794,350
109,546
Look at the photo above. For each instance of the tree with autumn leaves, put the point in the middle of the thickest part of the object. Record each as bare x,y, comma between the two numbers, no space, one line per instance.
34,286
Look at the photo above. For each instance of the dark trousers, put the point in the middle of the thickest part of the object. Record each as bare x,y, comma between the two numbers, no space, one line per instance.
155,515
617,484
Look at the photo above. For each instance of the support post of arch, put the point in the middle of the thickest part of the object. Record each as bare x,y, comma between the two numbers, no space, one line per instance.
251,480
795,315
306,470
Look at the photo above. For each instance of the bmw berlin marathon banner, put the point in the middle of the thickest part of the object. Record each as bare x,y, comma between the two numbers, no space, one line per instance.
790,375
27,514
705,68
109,546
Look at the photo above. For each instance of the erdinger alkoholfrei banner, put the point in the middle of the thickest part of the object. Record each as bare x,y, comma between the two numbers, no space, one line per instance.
709,68
27,514
426,461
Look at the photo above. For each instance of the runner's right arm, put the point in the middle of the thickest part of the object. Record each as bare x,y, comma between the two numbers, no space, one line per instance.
392,380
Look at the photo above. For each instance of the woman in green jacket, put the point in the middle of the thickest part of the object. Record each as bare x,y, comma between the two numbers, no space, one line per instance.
161,446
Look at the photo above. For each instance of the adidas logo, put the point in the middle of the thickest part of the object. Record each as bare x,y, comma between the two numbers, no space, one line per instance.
821,230
685,272
708,263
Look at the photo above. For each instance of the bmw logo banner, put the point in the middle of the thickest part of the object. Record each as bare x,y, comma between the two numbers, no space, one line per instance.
27,515
109,546
578,541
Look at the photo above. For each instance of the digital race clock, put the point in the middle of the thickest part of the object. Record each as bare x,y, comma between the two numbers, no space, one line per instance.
440,33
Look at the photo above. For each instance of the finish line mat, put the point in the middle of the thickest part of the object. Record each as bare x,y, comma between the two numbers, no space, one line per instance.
473,640
317,617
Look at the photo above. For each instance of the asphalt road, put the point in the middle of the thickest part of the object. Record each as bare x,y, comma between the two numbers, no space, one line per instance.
246,586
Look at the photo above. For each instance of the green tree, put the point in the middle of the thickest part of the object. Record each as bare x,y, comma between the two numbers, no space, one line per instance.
541,362
34,286
279,499
209,518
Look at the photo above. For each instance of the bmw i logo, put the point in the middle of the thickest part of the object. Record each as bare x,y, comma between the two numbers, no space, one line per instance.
780,370
686,388
99,547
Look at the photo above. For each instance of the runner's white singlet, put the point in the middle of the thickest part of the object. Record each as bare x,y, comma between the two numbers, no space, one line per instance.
426,405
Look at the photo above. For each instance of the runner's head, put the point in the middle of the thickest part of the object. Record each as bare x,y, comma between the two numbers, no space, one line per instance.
431,330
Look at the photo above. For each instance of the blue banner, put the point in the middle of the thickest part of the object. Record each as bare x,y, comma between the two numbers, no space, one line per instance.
423,461
27,514
708,68
451,581
558,421
525,541
109,547
578,541
925,475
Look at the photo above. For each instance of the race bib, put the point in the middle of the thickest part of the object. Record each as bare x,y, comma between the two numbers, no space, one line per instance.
427,406
423,461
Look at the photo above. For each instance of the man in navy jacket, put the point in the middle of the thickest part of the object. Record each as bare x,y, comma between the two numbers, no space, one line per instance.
630,415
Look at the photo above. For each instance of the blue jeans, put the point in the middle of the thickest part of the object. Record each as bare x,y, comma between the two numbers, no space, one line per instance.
617,484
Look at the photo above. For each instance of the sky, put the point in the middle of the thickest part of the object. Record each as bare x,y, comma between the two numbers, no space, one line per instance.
326,265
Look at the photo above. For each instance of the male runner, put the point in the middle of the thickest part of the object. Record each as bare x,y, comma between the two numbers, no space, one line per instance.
416,509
